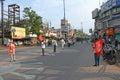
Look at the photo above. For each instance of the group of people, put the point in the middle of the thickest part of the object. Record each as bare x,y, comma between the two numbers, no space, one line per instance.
54,43
63,42
11,48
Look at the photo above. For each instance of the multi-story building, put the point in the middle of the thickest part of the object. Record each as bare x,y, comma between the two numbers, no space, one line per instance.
108,16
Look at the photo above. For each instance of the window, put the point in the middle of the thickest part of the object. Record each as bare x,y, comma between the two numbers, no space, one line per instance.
114,10
118,9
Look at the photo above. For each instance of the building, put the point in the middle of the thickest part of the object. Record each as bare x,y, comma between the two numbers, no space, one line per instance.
108,16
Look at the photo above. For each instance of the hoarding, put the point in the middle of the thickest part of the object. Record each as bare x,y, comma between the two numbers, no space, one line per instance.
64,26
95,13
110,31
110,4
18,32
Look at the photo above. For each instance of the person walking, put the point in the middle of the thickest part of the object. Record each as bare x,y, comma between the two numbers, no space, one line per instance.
62,43
11,50
43,47
54,42
69,42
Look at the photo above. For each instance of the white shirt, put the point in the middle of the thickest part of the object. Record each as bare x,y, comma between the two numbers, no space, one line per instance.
43,44
62,41
54,42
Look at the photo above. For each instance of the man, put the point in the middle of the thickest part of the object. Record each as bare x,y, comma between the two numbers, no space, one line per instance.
54,42
11,51
43,47
98,46
62,43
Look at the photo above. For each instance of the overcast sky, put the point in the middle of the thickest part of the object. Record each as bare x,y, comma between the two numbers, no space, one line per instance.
77,11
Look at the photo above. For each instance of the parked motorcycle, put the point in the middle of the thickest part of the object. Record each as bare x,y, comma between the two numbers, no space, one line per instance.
109,54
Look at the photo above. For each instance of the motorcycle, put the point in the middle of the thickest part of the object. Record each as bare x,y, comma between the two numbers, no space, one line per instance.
109,54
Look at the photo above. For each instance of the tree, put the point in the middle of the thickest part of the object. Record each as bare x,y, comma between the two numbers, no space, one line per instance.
33,21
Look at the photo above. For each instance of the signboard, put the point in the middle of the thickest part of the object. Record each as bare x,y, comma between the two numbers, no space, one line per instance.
18,32
64,26
90,30
113,3
110,31
109,4
95,13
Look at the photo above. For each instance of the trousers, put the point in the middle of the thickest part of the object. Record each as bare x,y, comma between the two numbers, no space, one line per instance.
97,59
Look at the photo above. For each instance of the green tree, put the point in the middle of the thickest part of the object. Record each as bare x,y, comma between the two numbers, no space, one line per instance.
33,21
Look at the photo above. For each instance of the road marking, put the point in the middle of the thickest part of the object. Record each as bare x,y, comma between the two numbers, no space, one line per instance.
23,75
49,54
11,67
39,63
39,69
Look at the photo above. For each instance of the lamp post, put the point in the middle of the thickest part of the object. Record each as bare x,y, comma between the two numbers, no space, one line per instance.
2,21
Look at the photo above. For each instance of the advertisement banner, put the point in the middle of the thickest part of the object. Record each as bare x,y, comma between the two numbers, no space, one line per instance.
18,32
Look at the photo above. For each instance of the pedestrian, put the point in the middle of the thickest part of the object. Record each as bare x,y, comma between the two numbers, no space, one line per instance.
116,43
54,42
62,43
69,42
11,51
98,46
43,47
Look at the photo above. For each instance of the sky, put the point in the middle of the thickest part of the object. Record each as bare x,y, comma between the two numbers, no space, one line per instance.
78,12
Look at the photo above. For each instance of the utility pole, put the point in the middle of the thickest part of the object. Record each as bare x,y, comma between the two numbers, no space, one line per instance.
2,26
64,9
65,35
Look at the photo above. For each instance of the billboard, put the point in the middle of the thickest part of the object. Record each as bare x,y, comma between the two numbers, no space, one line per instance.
64,26
110,4
110,31
95,13
17,32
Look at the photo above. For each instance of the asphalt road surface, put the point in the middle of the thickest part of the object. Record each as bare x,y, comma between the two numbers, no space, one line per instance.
72,63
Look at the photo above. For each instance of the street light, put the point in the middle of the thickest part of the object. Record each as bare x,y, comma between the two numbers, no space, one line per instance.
2,21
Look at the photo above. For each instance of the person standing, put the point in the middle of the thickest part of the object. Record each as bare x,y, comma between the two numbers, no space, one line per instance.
62,43
54,42
43,47
11,50
69,42
98,46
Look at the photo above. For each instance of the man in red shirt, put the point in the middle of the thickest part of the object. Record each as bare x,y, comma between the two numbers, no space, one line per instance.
11,50
98,46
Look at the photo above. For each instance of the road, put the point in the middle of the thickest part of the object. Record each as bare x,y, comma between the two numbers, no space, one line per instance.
74,63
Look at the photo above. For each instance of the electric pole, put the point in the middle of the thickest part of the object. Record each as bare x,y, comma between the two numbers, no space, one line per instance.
2,26
64,9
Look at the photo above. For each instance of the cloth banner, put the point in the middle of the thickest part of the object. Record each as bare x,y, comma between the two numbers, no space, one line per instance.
40,37
98,46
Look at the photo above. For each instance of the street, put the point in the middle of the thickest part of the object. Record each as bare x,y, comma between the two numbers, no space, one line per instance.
72,63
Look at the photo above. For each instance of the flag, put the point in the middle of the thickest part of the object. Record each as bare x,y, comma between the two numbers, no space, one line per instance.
98,46
40,37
